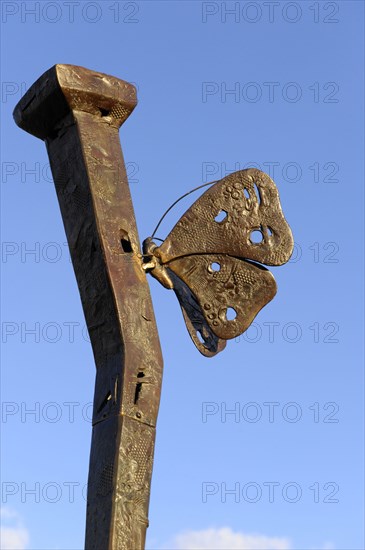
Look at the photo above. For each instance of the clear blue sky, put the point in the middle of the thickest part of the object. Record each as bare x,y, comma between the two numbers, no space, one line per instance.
278,84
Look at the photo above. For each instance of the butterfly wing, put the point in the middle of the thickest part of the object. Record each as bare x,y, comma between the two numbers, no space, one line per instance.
207,253
226,218
221,285
200,332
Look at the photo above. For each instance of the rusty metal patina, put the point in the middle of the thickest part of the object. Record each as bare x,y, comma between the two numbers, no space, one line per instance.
78,113
209,258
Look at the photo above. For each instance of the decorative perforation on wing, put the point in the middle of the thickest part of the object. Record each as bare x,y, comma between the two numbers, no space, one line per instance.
229,291
229,218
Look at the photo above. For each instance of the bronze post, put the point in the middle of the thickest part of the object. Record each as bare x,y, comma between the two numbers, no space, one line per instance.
78,113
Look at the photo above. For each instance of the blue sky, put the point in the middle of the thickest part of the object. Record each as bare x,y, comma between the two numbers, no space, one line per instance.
273,84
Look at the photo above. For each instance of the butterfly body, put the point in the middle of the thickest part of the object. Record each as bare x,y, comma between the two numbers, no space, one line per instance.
153,264
209,258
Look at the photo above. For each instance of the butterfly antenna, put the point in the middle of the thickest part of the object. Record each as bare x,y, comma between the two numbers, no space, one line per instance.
178,200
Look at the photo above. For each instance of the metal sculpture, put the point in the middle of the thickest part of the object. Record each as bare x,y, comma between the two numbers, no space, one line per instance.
78,113
208,257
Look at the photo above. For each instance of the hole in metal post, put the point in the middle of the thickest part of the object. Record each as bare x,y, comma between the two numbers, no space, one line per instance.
137,392
126,245
125,242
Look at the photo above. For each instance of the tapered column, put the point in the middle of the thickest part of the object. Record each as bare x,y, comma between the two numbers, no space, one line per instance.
78,113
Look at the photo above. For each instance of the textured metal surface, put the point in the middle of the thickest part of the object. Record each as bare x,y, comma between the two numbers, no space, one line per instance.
206,341
204,257
220,282
78,113
251,202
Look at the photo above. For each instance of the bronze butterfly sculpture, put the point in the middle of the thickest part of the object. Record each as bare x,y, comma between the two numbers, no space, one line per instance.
209,257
